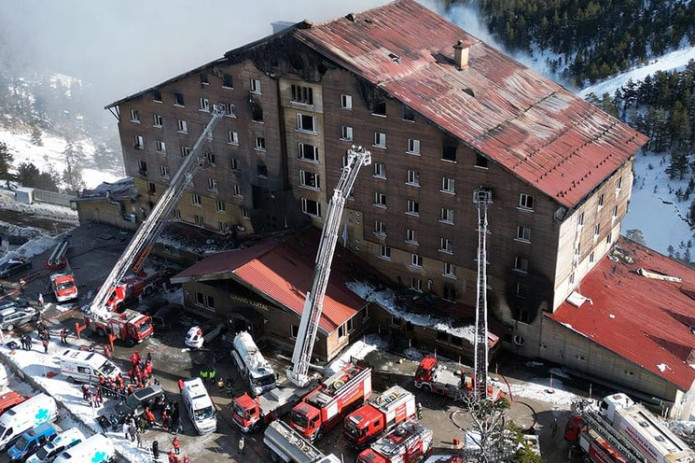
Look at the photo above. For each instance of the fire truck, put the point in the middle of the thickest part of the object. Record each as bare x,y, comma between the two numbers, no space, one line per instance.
284,444
250,413
406,443
325,406
129,326
431,376
382,413
620,430
64,288
253,367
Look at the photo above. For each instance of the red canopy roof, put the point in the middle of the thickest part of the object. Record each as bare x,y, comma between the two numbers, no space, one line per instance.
282,273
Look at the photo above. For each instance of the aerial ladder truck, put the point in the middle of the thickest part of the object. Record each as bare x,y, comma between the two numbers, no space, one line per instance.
129,326
253,413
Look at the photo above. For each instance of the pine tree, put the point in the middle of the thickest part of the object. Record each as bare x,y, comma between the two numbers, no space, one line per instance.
6,159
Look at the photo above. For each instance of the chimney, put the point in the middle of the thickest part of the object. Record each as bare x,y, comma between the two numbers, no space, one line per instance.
461,55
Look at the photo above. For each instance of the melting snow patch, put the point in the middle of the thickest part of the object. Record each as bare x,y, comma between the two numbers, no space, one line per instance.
358,350
663,367
387,299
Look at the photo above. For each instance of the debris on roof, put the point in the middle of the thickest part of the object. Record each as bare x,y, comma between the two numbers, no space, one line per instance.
577,299
657,276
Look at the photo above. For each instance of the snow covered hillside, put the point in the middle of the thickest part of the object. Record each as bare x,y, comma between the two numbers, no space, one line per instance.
51,157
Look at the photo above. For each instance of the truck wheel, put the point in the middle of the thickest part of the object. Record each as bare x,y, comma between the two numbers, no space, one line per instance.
71,380
130,342
257,426
427,388
319,435
9,327
101,332
586,459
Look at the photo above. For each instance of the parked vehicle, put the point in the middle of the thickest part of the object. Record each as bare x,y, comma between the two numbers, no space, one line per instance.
32,412
9,399
199,405
16,316
63,441
138,400
432,376
86,367
285,444
30,441
197,335
619,430
14,267
327,405
381,414
64,287
96,449
253,367
406,443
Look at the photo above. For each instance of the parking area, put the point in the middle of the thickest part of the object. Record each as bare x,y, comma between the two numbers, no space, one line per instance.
93,251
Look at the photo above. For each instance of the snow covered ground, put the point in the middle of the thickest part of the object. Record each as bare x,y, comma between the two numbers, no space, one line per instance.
51,157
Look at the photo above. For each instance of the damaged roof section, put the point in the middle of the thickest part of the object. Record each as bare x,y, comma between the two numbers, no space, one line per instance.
649,321
532,126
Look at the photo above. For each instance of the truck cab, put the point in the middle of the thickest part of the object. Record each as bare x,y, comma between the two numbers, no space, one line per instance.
64,287
246,413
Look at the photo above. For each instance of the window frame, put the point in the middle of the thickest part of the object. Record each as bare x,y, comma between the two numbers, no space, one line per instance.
302,118
307,174
305,209
380,199
347,133
385,252
449,248
379,139
196,200
181,126
255,86
302,150
523,234
413,208
346,101
447,215
413,177
414,146
379,170
524,200
448,185
157,120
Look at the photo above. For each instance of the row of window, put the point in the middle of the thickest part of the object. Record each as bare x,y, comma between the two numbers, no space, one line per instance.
227,82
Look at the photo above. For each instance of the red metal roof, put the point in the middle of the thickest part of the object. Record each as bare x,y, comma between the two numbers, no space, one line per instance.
282,272
644,320
532,126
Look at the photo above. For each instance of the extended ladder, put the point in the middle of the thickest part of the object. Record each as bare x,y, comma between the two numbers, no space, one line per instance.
482,198
313,305
141,244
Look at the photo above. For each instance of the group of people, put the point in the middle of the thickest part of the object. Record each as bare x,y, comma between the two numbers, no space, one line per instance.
173,453
44,336
140,371
208,376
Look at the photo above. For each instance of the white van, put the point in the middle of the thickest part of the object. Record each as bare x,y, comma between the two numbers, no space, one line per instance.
4,377
86,367
32,412
199,406
63,441
96,449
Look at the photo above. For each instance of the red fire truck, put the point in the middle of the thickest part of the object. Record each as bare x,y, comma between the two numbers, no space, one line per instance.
382,413
130,326
325,406
406,443
431,376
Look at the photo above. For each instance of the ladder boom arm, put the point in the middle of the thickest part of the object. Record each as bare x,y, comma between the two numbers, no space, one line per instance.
313,305
142,242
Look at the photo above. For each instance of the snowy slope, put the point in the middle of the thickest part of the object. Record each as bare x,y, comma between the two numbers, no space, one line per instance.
50,157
